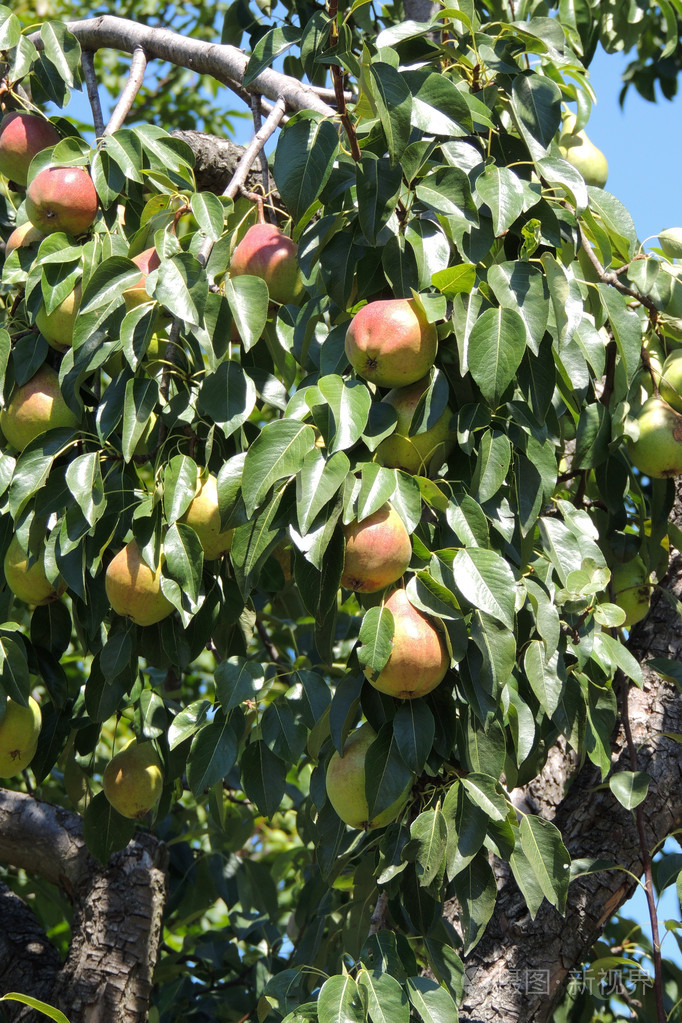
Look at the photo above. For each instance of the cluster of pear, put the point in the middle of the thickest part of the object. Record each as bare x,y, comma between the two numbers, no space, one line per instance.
390,343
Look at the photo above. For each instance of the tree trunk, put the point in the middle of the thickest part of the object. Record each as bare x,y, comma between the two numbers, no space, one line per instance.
521,967
117,923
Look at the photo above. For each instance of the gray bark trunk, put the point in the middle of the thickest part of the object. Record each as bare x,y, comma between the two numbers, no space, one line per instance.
516,953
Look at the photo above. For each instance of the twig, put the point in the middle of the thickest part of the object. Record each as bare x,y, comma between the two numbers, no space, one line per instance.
244,165
138,63
270,648
378,919
646,862
257,125
608,277
338,80
88,65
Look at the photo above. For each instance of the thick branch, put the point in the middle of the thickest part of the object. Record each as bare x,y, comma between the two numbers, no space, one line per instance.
515,948
117,911
226,64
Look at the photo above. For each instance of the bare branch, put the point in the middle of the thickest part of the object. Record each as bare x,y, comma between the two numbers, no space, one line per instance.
138,64
226,64
88,64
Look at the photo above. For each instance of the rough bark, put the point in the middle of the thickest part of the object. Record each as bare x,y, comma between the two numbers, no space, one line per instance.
117,922
216,161
516,953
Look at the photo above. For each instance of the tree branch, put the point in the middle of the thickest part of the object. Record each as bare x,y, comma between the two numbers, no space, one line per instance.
88,65
138,65
226,64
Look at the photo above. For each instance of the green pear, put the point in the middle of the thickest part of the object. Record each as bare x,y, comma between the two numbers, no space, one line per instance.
203,515
670,242
631,589
418,660
133,779
378,551
390,342
34,408
134,589
657,451
57,326
422,451
670,383
345,781
582,153
29,584
19,731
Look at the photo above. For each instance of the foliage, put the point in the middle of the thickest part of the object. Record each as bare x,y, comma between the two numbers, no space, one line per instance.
462,200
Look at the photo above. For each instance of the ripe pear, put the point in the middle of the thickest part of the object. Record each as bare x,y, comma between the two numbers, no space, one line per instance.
22,136
582,153
34,408
390,342
57,326
21,237
136,294
19,731
670,384
62,199
345,782
423,451
134,589
203,515
657,452
378,551
670,242
631,589
133,779
29,584
419,660
266,252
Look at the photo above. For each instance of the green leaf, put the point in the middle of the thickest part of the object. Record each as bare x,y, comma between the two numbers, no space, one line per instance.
496,346
35,1003
385,997
62,49
238,680
349,402
378,185
376,639
227,397
248,299
209,213
187,722
212,755
180,285
377,485
428,835
467,824
179,486
84,480
108,283
14,674
317,483
487,793
104,829
394,104
455,280
486,581
279,451
476,892
263,777
431,1002
502,191
341,1001
536,105
414,728
270,46
141,397
184,561
492,465
630,787
547,857
386,774
10,29
521,287
304,158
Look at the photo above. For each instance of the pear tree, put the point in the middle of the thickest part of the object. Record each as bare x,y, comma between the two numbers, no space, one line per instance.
339,633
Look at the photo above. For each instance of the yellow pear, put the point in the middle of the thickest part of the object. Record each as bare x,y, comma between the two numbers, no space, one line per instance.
19,731
203,515
34,408
29,584
418,660
582,153
378,551
133,779
134,589
345,782
57,326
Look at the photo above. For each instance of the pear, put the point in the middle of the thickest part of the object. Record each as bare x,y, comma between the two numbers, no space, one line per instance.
29,584
670,242
22,136
133,779
390,342
631,589
657,452
134,589
266,252
34,408
19,731
203,515
422,451
670,383
62,199
57,326
378,551
582,153
418,660
345,781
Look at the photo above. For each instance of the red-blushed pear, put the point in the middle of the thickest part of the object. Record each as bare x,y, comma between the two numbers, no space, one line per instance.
22,136
631,589
391,343
418,660
345,781
133,779
423,451
203,515
378,551
62,199
670,383
29,584
268,253
657,451
57,326
134,589
136,294
19,731
21,237
34,408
